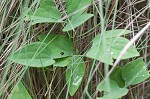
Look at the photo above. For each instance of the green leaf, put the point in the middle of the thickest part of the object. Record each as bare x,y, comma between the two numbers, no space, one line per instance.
118,45
76,6
100,53
34,55
50,7
73,23
62,62
74,74
115,33
111,89
72,5
38,17
60,45
135,72
117,77
106,49
19,92
47,12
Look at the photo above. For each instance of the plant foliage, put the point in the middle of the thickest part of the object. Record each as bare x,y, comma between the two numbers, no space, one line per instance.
106,47
19,92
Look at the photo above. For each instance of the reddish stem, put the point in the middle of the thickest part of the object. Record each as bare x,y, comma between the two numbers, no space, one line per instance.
87,62
111,9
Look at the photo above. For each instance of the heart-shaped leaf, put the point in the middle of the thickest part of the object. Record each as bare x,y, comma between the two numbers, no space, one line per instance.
75,22
60,45
118,45
34,55
100,53
135,72
47,12
50,7
19,92
105,48
74,74
77,7
111,90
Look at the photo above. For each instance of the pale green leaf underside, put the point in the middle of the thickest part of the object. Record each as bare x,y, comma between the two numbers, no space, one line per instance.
100,53
135,72
105,49
118,45
19,92
34,55
74,74
77,22
113,91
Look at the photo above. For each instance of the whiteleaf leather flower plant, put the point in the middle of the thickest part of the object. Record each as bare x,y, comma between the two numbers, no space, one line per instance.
57,50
